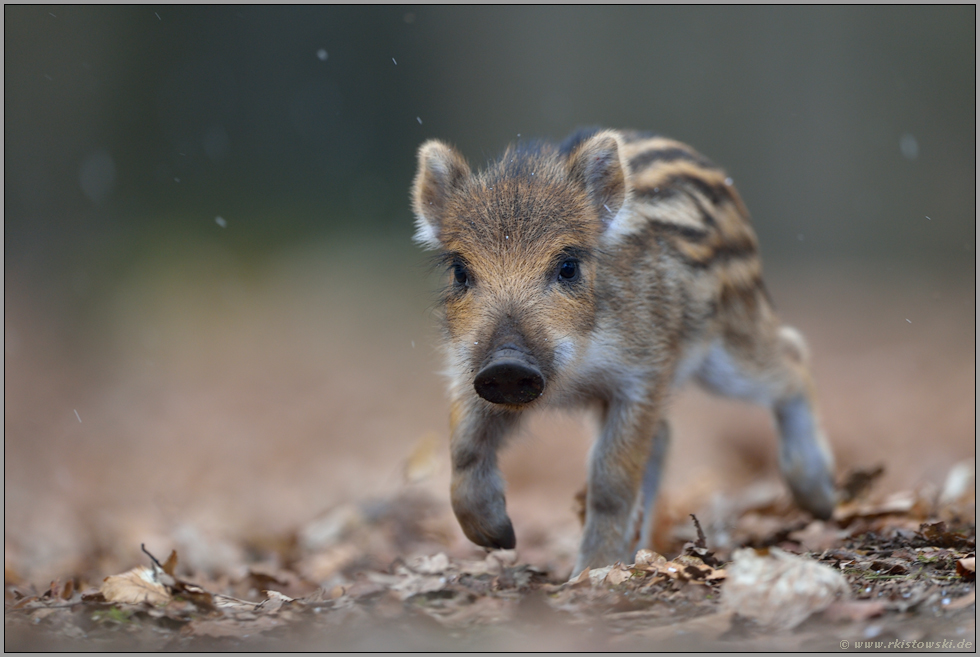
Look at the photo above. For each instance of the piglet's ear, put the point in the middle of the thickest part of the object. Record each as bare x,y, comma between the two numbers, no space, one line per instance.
598,166
441,171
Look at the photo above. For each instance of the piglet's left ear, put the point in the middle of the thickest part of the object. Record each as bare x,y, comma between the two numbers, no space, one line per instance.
597,164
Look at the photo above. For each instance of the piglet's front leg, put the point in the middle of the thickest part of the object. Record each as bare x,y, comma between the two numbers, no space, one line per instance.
477,492
616,467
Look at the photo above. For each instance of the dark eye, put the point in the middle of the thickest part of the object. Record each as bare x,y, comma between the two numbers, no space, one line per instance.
461,275
568,271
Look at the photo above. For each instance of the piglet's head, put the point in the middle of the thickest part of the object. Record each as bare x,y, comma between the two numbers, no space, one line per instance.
520,243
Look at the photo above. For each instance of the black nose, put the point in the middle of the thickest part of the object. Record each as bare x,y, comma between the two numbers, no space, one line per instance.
509,381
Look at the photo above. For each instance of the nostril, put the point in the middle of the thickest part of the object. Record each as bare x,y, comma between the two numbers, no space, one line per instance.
509,381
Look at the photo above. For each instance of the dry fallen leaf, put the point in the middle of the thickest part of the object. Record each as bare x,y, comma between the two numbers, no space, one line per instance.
226,602
937,534
583,578
891,561
135,586
896,503
967,568
696,569
274,600
617,575
649,558
685,567
858,482
779,590
170,564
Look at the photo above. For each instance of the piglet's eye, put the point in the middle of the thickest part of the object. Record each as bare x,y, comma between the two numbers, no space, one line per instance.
568,271
460,275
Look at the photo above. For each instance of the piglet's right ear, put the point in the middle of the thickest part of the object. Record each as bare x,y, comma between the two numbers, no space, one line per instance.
441,171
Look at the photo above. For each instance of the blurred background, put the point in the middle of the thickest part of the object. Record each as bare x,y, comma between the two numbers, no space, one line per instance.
216,326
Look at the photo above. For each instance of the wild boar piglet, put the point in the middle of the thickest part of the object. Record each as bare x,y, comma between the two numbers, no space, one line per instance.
605,271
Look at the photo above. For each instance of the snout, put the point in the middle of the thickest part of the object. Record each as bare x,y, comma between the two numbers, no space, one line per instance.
509,378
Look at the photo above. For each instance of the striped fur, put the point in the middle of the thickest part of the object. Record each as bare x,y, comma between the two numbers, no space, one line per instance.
668,287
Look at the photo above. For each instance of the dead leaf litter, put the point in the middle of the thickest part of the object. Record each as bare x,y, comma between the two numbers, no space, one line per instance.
385,575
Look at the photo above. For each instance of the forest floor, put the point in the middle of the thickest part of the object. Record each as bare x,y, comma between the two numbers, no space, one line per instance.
207,457
886,575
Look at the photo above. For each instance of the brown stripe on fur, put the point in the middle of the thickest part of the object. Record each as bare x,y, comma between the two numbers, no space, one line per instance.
707,255
711,183
656,156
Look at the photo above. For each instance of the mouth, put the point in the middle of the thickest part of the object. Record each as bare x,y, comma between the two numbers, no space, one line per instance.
510,377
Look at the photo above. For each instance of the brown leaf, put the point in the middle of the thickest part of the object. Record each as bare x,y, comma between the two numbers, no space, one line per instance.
617,575
171,563
134,587
698,570
598,575
23,602
93,596
859,481
967,568
705,555
263,577
897,503
674,570
584,578
689,560
937,534
233,605
684,567
649,558
699,547
263,580
274,601
888,567
201,598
